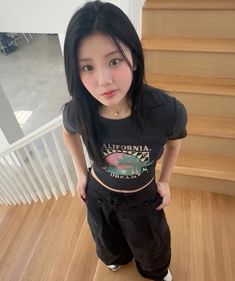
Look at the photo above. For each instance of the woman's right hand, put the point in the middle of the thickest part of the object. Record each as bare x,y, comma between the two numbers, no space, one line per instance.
81,187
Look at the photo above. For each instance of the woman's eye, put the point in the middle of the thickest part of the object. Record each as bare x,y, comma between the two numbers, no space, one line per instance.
87,68
115,62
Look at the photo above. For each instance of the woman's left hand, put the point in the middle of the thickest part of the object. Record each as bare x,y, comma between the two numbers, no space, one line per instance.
163,189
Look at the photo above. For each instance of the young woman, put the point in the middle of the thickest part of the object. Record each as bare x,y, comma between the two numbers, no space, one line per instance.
125,125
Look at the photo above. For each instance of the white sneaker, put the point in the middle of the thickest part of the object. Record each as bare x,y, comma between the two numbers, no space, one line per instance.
114,267
168,277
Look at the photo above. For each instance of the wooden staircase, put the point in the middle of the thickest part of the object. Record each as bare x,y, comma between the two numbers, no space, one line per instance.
190,52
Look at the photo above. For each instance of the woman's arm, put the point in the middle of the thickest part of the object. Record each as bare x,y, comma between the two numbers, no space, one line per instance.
74,145
171,152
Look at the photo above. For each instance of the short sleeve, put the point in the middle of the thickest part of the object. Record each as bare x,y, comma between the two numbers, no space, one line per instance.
180,120
70,119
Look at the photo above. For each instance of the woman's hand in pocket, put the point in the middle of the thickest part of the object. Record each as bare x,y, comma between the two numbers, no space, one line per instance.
81,187
163,189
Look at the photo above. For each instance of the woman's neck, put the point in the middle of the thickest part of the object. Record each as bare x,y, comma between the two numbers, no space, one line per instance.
120,111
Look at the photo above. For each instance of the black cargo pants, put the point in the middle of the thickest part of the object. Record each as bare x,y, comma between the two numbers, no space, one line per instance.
127,225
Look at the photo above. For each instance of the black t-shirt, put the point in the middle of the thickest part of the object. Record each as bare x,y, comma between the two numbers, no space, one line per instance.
131,153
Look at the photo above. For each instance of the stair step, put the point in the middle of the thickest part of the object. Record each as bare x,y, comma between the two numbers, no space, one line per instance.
203,184
200,64
188,23
190,84
215,45
190,4
206,166
211,126
214,106
213,96
199,144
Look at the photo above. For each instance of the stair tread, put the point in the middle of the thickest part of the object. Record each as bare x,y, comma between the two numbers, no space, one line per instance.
215,45
213,166
211,126
189,4
205,166
189,84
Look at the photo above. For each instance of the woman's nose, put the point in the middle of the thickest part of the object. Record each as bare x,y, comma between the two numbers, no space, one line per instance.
104,77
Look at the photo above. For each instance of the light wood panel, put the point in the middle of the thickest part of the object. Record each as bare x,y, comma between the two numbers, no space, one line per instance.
212,126
188,23
201,216
84,262
189,51
205,145
202,241
9,227
193,180
214,45
191,84
206,165
204,172
211,105
198,64
189,4
47,242
25,235
60,257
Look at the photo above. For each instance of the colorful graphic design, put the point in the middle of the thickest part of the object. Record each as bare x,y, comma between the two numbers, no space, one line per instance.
128,161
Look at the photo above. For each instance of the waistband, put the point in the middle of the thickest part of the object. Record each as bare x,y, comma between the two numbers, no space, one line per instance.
118,190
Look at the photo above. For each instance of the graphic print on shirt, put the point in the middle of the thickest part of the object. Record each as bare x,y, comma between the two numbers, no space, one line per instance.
126,161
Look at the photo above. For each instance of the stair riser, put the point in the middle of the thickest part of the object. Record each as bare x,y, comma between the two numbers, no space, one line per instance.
210,105
189,5
203,184
189,23
190,63
208,146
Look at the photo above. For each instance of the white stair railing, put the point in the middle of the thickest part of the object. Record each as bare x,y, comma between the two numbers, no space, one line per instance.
37,167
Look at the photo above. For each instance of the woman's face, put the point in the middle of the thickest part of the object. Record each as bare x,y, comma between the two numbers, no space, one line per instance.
103,70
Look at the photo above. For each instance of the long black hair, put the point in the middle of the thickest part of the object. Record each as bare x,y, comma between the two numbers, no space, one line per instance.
107,19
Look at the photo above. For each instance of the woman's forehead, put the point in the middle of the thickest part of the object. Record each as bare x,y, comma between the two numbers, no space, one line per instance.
99,44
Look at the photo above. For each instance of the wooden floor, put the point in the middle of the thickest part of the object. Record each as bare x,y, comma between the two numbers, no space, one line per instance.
51,241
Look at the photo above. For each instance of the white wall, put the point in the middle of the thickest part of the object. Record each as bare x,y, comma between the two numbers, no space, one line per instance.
9,125
36,16
45,16
52,16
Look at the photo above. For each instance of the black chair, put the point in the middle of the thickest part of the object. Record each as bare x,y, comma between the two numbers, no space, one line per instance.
7,44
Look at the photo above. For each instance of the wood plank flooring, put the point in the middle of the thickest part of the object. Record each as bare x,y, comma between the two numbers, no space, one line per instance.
51,241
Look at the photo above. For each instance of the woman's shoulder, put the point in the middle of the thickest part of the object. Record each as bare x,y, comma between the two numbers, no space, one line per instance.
70,118
155,97
166,108
69,111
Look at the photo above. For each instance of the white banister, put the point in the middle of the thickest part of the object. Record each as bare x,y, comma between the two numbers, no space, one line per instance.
50,157
46,190
5,194
68,177
31,181
23,180
50,126
37,167
15,183
39,177
8,185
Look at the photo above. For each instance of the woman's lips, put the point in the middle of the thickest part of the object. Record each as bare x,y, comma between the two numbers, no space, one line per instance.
109,94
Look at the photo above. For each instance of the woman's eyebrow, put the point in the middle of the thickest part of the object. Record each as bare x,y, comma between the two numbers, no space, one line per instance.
107,55
112,53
